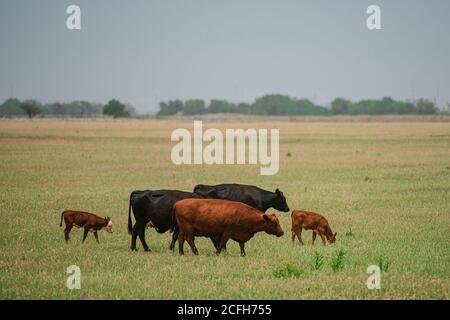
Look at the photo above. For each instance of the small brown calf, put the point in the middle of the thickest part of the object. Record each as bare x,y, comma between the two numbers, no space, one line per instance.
311,221
88,221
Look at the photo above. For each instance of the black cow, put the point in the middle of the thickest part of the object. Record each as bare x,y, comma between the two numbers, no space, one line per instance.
154,208
251,195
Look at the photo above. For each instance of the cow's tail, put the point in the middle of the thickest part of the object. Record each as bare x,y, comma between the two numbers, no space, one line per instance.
62,215
130,223
174,220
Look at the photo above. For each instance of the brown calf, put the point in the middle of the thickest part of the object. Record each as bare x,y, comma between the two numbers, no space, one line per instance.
227,219
311,221
86,220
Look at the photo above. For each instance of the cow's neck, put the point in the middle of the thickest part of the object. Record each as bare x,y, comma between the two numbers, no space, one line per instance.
261,225
103,223
328,232
265,206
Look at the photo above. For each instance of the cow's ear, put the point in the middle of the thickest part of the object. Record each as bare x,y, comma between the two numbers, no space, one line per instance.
278,192
266,218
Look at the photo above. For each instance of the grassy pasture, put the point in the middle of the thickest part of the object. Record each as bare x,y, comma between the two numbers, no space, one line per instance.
384,187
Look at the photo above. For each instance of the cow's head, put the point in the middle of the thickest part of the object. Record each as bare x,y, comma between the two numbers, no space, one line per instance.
108,225
279,202
332,238
272,225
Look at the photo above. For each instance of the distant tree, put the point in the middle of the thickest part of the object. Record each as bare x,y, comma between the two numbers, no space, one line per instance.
116,109
170,108
340,106
244,108
277,104
404,107
378,107
31,108
73,109
425,106
306,107
10,108
131,110
220,106
272,104
56,108
194,106
360,107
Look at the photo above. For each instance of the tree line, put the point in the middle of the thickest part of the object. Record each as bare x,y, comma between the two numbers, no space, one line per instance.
77,109
273,104
282,105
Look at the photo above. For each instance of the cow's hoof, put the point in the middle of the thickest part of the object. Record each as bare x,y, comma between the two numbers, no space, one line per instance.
147,250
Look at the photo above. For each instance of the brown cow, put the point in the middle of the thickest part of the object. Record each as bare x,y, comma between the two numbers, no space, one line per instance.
311,221
227,219
86,220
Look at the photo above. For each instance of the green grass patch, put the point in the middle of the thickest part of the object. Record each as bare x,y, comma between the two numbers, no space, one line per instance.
288,271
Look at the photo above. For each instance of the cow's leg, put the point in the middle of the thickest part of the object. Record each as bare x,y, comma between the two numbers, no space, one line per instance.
85,233
299,235
176,231
190,240
242,245
188,235
66,232
181,241
216,241
134,235
138,230
314,234
96,236
223,242
224,247
321,234
141,234
294,231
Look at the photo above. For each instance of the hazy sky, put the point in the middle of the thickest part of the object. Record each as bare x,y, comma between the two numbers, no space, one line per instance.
147,51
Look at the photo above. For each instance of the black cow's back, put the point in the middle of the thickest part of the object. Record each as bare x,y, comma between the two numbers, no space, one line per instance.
156,206
251,195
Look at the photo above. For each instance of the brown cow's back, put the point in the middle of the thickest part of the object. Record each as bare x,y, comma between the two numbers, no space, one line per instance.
80,218
213,216
308,219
